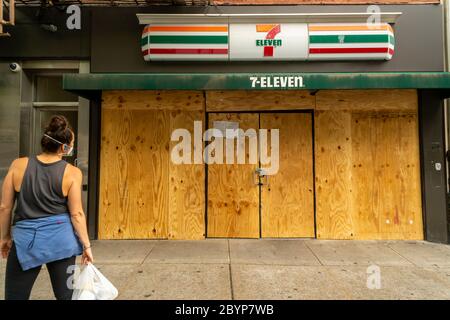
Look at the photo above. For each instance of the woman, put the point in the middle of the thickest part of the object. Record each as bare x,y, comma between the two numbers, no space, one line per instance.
49,225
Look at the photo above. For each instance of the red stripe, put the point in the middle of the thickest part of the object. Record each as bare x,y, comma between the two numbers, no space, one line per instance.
350,50
186,51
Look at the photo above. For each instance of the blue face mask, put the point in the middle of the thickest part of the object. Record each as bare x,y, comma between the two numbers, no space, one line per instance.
68,150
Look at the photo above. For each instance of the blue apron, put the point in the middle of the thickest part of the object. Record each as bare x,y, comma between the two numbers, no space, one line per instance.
43,240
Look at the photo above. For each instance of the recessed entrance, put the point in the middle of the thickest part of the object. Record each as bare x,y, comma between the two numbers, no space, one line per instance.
243,202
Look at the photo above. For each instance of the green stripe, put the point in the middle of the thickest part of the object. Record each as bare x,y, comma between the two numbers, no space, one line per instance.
350,38
144,41
189,39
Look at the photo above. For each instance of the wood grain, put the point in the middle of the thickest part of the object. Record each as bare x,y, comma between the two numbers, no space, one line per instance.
247,100
366,100
233,196
391,204
186,186
143,195
134,174
287,202
370,187
333,154
153,100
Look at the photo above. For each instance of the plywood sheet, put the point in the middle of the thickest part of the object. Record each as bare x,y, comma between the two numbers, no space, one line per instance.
389,207
134,174
366,100
143,195
186,185
287,201
333,156
233,195
153,100
248,100
372,191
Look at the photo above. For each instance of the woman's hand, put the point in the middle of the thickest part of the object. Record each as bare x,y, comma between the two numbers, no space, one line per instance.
87,256
5,245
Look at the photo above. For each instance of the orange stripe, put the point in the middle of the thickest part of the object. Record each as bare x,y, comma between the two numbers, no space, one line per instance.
349,28
187,28
264,27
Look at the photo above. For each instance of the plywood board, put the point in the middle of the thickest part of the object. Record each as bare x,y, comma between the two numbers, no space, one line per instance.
333,155
366,100
243,100
153,100
387,166
233,195
134,174
287,201
143,195
371,191
186,186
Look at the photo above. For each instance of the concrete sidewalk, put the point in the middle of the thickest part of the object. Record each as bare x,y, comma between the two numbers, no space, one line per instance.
267,269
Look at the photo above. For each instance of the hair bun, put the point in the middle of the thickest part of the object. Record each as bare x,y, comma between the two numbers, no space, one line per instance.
57,123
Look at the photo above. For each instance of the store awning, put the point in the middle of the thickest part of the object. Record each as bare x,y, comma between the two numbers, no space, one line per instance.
89,85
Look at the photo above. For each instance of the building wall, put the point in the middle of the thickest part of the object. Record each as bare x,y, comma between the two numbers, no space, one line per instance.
419,46
367,166
9,117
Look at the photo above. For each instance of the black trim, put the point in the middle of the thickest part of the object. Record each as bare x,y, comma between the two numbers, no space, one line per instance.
94,166
432,151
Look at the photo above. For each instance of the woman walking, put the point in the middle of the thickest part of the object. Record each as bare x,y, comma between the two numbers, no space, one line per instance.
49,225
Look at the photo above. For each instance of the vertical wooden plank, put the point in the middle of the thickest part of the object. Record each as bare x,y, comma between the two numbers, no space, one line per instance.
389,153
233,196
366,176
134,174
333,154
409,162
186,185
287,203
386,177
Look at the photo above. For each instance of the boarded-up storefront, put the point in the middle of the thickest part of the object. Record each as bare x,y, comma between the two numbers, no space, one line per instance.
349,166
337,123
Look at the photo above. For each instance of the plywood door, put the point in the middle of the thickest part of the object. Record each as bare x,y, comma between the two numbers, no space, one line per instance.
287,201
233,195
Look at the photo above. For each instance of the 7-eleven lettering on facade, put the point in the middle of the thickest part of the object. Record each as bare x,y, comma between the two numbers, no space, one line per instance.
269,42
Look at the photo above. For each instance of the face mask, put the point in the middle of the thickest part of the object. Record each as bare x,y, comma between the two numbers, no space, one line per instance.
68,150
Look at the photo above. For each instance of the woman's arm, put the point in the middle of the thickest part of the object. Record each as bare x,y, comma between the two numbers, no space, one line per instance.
6,206
77,214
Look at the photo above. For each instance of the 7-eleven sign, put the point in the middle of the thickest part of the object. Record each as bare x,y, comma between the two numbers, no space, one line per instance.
269,43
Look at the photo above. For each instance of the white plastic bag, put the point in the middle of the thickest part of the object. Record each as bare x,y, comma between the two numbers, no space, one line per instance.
90,284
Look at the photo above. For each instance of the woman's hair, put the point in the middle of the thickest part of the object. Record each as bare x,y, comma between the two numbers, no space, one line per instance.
59,129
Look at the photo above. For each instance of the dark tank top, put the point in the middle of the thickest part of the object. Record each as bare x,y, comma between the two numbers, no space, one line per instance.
41,193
